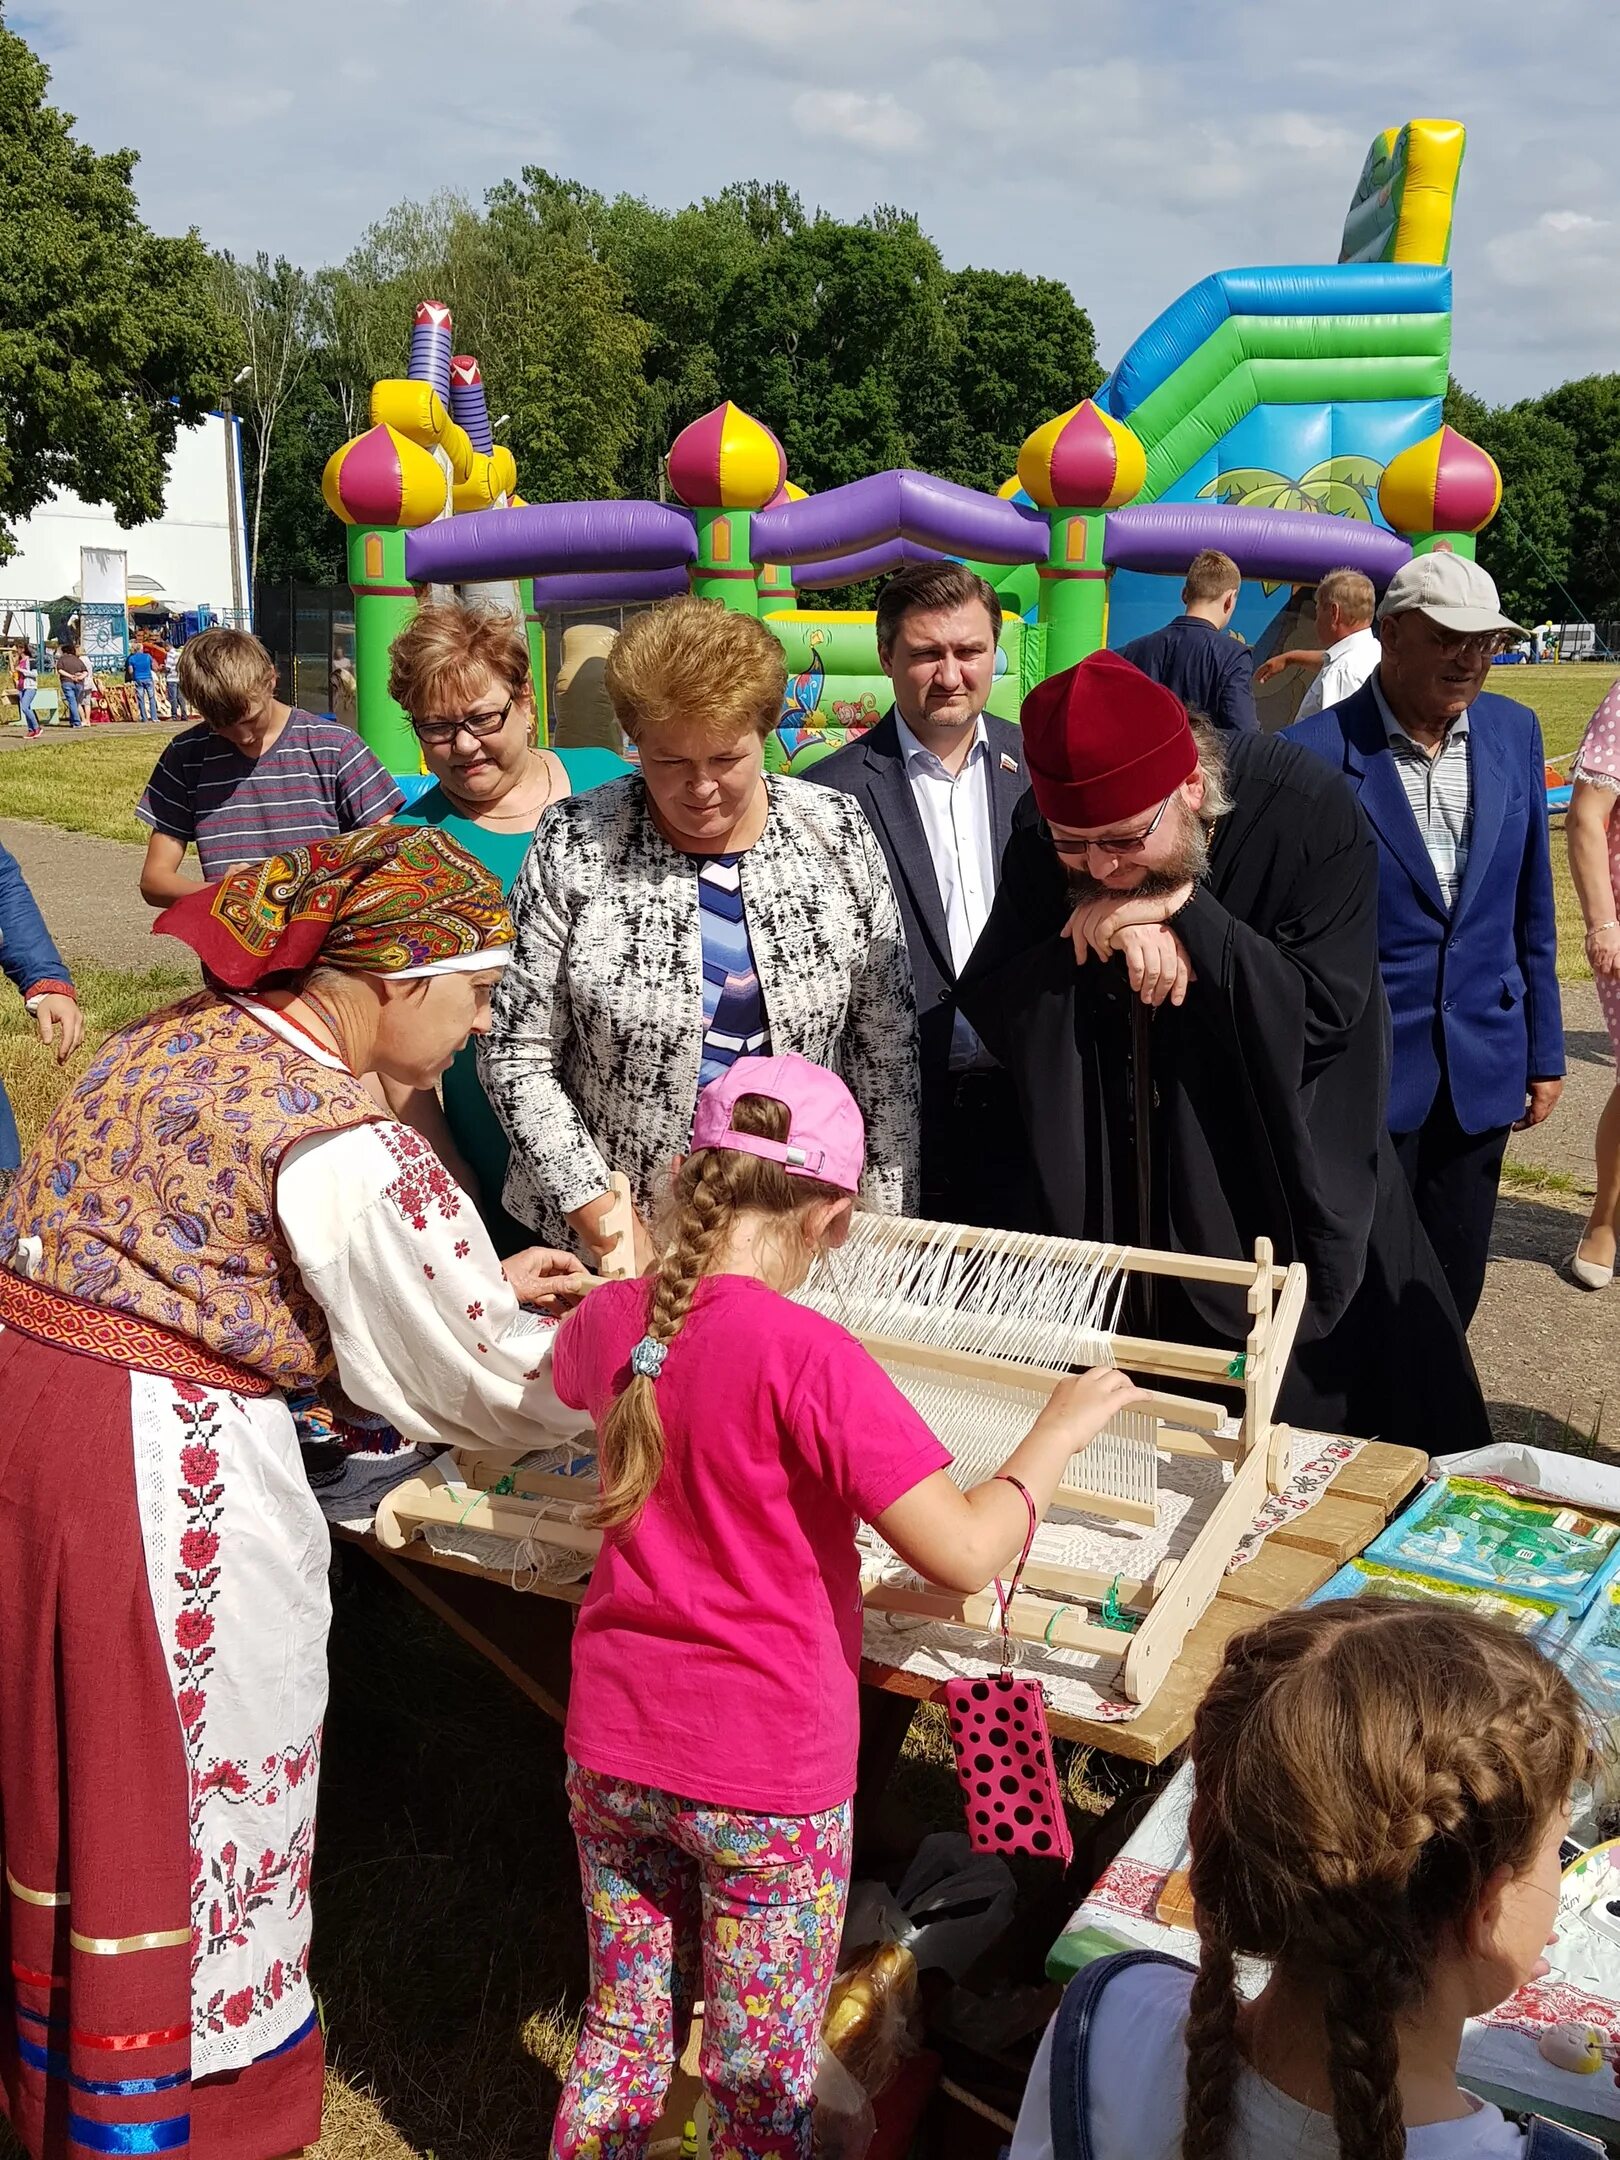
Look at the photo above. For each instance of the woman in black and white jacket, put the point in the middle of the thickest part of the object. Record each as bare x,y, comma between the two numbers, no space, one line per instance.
689,914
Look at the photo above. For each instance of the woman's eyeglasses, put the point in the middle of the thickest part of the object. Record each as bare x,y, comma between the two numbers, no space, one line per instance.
441,733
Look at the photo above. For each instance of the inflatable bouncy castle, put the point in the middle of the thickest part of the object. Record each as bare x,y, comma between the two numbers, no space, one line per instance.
1289,415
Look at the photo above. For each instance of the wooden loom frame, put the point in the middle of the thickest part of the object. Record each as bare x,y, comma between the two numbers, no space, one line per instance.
1168,1604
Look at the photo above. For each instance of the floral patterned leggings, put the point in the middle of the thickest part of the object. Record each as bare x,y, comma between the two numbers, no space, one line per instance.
682,1899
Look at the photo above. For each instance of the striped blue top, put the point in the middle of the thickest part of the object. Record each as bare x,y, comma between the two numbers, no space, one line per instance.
733,1005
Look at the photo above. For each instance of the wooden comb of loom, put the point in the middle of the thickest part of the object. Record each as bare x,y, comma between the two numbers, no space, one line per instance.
976,1327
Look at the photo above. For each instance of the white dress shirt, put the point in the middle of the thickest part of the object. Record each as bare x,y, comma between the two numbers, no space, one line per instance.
955,813
1342,673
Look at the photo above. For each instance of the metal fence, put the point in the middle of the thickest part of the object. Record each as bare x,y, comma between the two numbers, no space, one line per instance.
309,632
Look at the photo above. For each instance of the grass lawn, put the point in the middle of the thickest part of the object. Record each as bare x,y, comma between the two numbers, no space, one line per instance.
87,784
111,998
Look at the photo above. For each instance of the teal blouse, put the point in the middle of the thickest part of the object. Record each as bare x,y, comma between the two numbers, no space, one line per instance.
473,1124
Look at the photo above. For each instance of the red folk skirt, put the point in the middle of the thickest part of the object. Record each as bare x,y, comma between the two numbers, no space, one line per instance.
107,1908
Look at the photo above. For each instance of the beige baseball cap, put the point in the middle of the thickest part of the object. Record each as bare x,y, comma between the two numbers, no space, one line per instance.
1450,590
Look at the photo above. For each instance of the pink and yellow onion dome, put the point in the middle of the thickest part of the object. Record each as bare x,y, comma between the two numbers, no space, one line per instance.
1083,460
1443,484
727,461
383,478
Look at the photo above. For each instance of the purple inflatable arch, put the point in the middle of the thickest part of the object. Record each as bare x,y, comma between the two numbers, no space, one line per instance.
542,539
607,588
1296,547
864,563
936,516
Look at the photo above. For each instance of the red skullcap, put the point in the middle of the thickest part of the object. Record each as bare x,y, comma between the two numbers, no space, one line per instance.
1104,742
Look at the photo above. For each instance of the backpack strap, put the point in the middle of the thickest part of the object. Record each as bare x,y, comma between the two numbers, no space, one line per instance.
1071,2046
1544,2140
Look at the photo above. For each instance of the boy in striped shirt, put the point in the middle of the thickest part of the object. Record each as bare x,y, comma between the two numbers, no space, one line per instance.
255,778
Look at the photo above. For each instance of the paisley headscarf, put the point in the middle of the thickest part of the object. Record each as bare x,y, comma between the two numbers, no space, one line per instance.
387,900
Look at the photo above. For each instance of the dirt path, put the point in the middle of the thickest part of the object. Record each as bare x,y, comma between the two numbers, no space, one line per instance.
1548,1351
89,890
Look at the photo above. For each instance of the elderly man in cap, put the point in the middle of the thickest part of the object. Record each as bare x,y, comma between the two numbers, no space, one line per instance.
1181,974
1452,780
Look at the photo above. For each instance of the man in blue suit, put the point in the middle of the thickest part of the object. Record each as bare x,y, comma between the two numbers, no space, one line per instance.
938,778
1197,656
1452,781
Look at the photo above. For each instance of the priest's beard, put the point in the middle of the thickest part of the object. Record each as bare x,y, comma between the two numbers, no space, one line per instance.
1187,864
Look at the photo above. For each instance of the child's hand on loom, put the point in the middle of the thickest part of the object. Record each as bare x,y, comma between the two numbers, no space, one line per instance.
552,1280
1081,1407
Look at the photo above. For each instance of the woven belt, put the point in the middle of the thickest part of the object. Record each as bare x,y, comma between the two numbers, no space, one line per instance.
118,1338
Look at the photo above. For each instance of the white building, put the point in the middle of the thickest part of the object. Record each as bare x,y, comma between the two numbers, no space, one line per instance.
193,556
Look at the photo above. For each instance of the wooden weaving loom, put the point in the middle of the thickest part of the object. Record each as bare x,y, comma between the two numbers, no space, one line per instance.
976,1327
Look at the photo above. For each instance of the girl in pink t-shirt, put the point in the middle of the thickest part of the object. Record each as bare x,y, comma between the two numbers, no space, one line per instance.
713,1712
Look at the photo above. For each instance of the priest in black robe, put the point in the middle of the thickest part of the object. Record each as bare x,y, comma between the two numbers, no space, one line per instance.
1180,972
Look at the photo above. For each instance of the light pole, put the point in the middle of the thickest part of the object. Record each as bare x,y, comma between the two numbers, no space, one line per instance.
233,492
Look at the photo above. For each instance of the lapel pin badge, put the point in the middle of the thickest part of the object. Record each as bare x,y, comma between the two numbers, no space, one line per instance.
1008,764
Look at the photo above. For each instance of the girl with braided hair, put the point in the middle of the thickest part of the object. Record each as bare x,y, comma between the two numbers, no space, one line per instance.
713,1714
1381,1793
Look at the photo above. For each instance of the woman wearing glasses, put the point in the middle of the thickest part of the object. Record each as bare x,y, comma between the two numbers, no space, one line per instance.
463,676
699,911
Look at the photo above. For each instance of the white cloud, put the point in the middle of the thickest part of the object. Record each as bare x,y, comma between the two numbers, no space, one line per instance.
1307,132
879,124
1127,148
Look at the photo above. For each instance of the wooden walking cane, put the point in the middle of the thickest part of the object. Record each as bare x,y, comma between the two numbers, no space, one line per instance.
1142,1123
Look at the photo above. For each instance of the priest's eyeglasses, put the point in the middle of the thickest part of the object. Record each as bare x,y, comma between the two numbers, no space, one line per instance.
441,733
1126,844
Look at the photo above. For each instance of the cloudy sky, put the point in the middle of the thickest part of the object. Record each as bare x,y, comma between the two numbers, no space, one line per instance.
1125,146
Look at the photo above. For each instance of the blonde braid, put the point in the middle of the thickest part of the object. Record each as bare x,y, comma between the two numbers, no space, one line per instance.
712,1188
632,1437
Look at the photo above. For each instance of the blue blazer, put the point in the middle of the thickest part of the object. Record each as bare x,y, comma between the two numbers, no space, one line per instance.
1473,994
28,956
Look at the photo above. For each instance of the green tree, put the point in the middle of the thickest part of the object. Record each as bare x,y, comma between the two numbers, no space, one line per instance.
1463,411
837,337
1590,410
560,349
110,337
299,539
1527,548
363,309
1024,350
679,270
271,308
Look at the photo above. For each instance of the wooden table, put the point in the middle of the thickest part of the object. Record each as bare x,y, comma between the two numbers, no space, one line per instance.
527,1635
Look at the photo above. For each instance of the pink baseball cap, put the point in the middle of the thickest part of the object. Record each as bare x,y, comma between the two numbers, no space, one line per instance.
826,1133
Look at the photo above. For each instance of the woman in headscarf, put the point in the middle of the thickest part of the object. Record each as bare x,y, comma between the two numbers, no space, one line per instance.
219,1216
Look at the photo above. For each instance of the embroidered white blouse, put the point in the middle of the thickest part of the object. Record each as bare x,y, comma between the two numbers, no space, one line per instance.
426,1329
